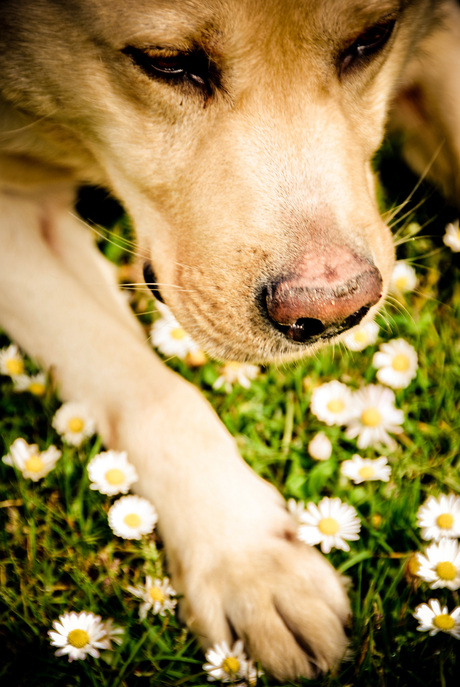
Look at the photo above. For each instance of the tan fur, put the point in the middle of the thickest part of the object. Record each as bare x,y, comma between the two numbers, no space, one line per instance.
227,191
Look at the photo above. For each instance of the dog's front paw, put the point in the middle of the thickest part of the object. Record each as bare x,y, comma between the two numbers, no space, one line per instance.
280,596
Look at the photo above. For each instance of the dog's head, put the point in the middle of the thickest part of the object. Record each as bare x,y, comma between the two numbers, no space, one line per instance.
239,136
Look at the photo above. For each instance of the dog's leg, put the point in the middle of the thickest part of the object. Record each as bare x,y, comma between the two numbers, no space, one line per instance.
231,545
427,106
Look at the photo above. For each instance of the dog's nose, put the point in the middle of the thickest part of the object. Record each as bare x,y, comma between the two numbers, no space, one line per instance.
327,293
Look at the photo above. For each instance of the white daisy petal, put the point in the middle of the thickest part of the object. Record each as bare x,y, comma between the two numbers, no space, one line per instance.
440,517
157,595
366,469
434,618
332,403
11,361
376,416
361,336
452,236
403,279
33,464
439,565
73,422
396,363
111,473
169,337
132,517
79,634
236,373
331,523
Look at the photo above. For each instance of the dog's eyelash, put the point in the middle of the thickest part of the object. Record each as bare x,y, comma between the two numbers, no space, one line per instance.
173,66
368,44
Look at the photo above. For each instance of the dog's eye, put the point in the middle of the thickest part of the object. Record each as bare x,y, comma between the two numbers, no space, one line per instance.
367,45
171,65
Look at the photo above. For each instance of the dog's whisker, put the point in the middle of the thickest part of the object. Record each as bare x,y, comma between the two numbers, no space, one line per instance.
420,181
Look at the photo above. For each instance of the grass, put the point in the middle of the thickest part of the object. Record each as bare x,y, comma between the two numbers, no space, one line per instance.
58,554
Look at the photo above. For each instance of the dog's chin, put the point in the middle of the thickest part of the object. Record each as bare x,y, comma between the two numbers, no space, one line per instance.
264,348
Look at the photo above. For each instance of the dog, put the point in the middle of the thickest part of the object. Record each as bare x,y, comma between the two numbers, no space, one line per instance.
238,135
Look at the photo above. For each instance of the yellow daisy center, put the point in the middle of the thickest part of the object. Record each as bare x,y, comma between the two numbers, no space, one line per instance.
401,283
335,405
400,363
178,333
132,520
360,336
376,520
78,638
15,366
156,595
443,621
115,476
366,472
328,526
37,389
446,570
445,521
34,463
75,424
371,417
230,665
413,565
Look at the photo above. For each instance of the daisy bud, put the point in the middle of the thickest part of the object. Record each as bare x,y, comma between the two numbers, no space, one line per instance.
320,447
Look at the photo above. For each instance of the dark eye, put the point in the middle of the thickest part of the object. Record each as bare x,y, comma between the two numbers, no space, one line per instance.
172,65
369,43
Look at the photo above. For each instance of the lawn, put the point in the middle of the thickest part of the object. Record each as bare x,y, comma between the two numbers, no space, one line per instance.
58,554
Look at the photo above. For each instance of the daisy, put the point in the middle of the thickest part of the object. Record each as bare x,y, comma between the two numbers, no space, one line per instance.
112,633
229,664
33,464
110,473
440,517
131,517
404,278
440,564
434,618
79,634
452,236
36,384
375,416
329,524
11,361
156,595
296,509
169,337
332,403
320,447
362,336
396,363
236,373
73,423
366,469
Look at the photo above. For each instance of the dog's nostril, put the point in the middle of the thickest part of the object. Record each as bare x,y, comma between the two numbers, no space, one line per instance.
304,329
151,281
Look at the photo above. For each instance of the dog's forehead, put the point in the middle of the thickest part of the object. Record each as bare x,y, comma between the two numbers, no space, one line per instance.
178,23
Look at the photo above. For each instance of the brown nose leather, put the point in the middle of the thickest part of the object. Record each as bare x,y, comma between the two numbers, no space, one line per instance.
328,293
